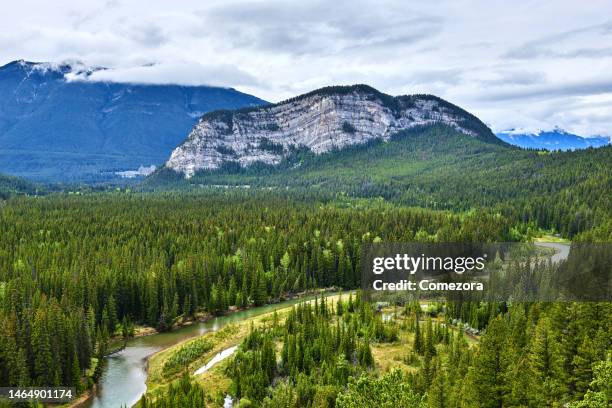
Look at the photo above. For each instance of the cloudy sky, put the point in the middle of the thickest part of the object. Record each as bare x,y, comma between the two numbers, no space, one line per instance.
534,65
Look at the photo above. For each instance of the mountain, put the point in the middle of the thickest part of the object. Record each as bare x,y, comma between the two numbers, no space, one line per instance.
556,139
55,128
326,119
434,166
413,150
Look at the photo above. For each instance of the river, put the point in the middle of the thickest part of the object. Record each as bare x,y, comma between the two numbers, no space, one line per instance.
124,378
561,250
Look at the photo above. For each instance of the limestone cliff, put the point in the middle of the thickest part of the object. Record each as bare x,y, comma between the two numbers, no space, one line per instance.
321,120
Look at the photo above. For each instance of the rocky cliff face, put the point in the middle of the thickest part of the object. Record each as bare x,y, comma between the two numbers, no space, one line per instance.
322,120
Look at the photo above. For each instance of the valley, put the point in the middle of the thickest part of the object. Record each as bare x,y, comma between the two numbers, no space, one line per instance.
219,235
294,204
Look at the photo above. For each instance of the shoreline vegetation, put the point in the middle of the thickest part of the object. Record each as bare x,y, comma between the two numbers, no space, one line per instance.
143,331
224,338
397,351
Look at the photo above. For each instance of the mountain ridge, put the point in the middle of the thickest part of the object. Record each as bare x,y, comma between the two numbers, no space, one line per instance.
434,167
324,119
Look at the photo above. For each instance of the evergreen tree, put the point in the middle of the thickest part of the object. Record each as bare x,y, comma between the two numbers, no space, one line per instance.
418,340
545,365
491,364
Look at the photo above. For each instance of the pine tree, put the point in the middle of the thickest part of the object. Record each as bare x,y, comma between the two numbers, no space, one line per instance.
339,307
260,292
364,355
427,372
45,364
438,395
545,363
491,364
112,314
582,364
418,340
429,338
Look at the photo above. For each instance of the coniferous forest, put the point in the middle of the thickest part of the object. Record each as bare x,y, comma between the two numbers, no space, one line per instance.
94,264
79,272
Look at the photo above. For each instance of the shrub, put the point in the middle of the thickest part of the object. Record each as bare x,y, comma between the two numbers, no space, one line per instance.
348,128
186,355
270,146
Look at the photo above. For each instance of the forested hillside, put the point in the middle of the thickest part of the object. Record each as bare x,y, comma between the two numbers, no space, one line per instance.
12,186
439,168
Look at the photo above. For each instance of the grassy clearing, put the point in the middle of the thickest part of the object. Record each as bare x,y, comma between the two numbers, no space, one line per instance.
388,356
552,238
392,355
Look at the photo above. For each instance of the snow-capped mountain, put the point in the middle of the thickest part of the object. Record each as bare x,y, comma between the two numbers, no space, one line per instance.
57,126
322,120
556,139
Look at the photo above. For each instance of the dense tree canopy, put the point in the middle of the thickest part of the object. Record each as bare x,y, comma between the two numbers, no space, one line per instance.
76,270
440,168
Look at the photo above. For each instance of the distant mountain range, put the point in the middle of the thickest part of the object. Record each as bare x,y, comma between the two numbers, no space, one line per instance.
58,126
556,139
53,128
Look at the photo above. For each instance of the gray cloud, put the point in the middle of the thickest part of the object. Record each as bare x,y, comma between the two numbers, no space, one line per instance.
579,88
514,65
445,76
180,73
319,27
149,35
555,46
517,77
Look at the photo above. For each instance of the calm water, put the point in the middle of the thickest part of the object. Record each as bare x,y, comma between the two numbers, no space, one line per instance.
124,379
562,250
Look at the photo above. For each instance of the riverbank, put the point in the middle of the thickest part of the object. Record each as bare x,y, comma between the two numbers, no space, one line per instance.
124,378
142,331
553,238
217,384
82,399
